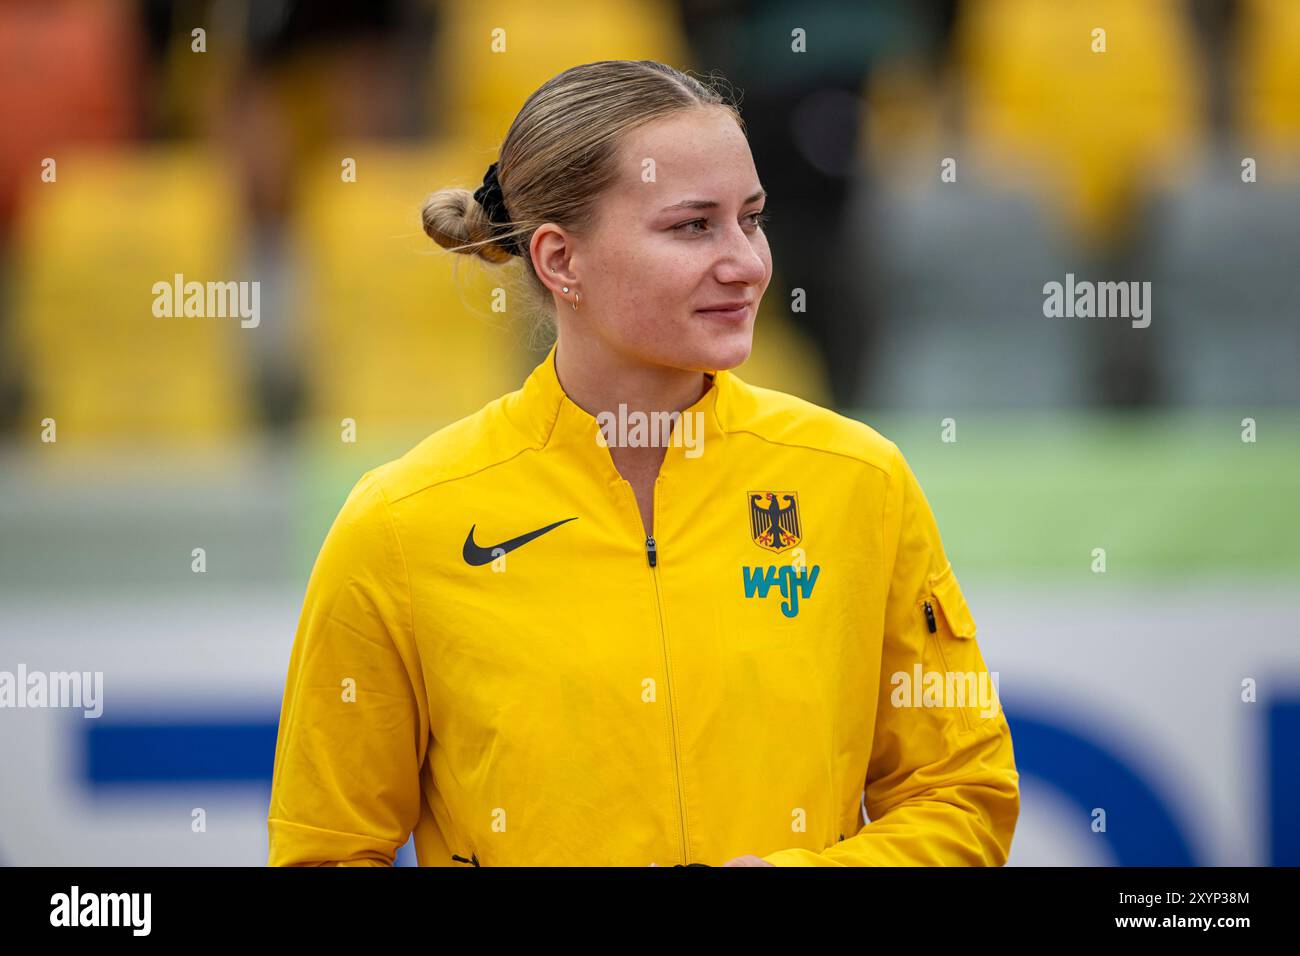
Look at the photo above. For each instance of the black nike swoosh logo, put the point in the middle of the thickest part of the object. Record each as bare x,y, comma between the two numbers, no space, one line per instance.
476,556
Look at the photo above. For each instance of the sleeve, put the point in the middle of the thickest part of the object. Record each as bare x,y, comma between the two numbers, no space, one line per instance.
354,725
942,787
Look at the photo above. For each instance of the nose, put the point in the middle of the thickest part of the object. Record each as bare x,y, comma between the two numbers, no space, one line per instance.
739,258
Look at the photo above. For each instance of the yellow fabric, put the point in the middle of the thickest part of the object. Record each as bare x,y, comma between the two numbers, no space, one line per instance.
570,704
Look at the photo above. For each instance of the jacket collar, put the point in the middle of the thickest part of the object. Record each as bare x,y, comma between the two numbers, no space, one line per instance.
553,419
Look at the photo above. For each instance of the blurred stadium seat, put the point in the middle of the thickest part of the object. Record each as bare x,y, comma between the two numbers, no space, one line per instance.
69,72
1267,74
91,246
1223,266
477,91
963,268
1090,125
399,333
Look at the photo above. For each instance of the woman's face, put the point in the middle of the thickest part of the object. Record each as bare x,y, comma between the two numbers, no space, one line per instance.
675,237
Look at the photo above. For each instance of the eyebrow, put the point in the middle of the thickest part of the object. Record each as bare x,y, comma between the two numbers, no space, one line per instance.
710,203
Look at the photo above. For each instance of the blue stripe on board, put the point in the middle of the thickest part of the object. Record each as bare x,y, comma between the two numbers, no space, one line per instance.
1283,769
157,752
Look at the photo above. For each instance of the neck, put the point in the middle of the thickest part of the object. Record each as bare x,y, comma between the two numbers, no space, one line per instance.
597,380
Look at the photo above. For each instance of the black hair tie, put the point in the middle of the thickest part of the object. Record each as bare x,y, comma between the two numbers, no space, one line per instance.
490,198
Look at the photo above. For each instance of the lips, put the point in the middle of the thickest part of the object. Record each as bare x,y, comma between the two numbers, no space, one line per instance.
726,310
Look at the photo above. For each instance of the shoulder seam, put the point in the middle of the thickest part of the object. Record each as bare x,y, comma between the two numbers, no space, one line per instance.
401,554
826,451
884,505
468,474
410,599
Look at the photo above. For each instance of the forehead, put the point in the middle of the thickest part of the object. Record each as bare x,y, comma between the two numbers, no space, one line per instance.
697,154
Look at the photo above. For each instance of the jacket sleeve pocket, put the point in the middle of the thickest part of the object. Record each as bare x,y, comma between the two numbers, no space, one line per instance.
968,686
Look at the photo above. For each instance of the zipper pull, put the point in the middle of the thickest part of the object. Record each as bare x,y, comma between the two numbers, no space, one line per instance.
651,552
929,617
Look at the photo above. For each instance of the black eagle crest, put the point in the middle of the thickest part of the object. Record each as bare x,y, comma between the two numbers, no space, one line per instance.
774,519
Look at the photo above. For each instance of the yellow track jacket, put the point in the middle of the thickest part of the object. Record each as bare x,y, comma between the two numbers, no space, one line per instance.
494,656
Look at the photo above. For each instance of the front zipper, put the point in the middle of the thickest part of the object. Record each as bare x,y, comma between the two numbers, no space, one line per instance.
677,759
652,559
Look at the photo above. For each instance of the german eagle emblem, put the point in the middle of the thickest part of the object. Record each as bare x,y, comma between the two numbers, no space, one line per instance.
774,519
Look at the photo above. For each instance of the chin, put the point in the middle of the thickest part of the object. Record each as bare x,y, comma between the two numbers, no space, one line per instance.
723,353
731,358
714,350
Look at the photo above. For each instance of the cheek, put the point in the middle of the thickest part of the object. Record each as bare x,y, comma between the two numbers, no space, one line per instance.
656,275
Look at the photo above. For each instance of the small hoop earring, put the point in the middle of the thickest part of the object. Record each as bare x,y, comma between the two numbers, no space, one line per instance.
574,303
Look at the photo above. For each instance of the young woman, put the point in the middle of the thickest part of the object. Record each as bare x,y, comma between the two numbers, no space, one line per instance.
637,612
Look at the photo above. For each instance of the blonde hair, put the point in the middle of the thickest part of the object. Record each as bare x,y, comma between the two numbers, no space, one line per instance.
558,157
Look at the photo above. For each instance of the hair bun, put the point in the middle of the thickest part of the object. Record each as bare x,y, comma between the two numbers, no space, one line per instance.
456,220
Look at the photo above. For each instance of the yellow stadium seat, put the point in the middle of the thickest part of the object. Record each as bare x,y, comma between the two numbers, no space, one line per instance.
90,248
1092,127
1267,74
400,335
479,86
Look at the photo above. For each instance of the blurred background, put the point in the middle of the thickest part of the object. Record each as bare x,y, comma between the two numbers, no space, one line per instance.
930,165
